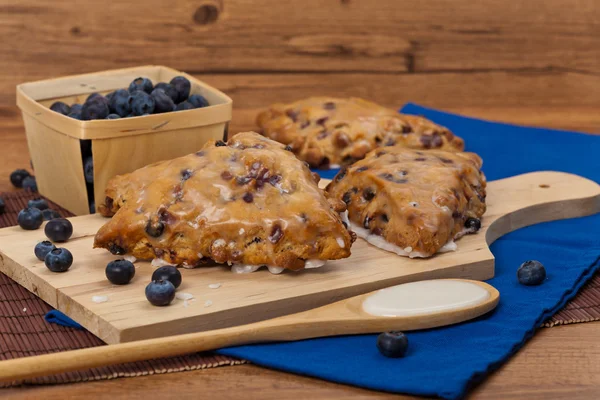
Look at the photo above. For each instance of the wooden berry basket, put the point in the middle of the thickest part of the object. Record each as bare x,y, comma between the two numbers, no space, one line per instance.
118,146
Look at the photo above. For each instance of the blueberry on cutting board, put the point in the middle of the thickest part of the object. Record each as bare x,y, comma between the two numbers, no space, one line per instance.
392,344
59,260
531,273
168,273
42,249
120,272
160,293
58,230
49,214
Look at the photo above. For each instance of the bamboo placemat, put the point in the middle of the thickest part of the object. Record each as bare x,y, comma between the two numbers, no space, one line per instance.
24,332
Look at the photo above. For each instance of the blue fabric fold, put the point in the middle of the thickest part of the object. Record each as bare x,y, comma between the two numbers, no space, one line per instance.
56,317
448,361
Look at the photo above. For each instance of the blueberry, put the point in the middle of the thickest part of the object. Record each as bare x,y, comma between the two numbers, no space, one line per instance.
2,206
120,272
76,107
92,207
531,273
473,224
17,176
38,203
141,103
86,148
61,108
30,218
143,84
88,169
43,248
198,101
96,97
160,293
30,183
94,110
109,96
75,115
120,103
59,260
162,101
58,230
169,90
392,344
168,273
183,86
50,214
184,106
113,116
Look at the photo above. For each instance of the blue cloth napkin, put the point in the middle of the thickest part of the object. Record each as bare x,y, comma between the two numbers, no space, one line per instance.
448,361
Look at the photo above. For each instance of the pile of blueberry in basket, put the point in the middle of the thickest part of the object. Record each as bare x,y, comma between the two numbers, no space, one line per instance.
141,98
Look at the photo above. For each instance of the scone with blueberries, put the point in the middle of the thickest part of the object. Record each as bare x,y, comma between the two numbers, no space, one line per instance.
410,202
248,203
328,132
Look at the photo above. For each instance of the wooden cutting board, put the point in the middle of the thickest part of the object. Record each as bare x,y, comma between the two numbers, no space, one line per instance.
243,298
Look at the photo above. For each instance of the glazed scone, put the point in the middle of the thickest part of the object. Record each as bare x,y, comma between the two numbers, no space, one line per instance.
248,202
413,203
325,131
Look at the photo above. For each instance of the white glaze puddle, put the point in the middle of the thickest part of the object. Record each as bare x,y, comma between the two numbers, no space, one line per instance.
424,297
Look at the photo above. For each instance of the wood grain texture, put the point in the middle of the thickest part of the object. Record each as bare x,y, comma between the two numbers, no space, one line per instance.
257,36
545,369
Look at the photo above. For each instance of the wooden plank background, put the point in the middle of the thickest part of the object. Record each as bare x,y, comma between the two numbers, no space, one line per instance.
485,56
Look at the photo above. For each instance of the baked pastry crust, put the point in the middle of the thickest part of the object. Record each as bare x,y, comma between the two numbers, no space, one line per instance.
417,201
326,131
248,201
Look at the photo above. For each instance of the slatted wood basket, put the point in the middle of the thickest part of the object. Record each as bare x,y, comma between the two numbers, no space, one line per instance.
118,146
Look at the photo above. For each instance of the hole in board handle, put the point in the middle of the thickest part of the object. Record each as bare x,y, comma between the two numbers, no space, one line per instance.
544,186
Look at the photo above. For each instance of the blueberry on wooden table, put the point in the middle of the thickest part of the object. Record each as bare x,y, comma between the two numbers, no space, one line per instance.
49,214
17,177
169,90
30,219
198,101
162,102
58,230
143,84
168,273
120,103
38,203
59,260
160,293
183,86
141,103
531,273
42,249
30,183
2,206
120,272
61,108
392,344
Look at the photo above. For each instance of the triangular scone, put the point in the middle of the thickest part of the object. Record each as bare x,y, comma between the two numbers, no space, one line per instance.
413,203
248,202
325,131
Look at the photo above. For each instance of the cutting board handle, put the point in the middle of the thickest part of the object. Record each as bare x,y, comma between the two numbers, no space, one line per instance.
537,197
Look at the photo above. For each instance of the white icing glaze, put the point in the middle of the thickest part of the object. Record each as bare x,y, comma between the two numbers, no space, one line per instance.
242,230
208,303
184,296
334,166
219,243
425,297
383,244
340,242
131,259
413,204
244,268
275,270
99,299
450,246
214,285
159,262
314,263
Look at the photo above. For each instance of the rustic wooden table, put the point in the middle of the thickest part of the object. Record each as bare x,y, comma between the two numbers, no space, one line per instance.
557,362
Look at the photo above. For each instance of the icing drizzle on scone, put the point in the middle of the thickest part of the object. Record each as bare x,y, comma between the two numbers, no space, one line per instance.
412,203
247,202
328,132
